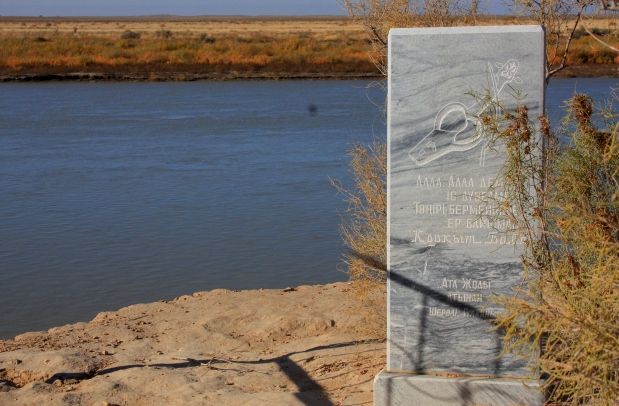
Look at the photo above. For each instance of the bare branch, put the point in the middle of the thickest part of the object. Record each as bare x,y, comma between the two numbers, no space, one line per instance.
377,37
562,65
379,16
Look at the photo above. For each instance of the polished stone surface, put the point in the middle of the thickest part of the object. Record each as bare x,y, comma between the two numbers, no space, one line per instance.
424,390
443,262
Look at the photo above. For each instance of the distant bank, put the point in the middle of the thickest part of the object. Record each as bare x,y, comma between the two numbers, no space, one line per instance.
172,48
182,77
184,48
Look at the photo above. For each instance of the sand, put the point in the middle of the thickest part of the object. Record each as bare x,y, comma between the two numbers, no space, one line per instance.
258,347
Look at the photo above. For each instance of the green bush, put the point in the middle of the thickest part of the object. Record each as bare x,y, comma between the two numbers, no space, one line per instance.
601,31
163,34
130,35
205,38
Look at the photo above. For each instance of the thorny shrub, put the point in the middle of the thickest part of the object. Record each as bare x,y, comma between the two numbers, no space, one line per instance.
563,200
364,231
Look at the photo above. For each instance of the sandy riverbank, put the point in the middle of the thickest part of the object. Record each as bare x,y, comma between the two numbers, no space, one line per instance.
256,347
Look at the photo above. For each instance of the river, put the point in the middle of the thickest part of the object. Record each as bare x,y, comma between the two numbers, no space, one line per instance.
119,193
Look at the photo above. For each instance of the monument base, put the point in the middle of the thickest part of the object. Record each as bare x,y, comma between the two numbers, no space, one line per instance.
391,389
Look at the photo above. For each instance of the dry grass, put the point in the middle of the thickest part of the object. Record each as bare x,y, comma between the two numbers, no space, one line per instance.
200,44
586,50
327,28
194,45
256,49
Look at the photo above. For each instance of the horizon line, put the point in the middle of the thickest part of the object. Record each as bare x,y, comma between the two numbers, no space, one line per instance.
177,15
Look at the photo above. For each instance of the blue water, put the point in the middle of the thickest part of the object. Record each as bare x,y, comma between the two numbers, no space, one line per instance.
560,90
118,193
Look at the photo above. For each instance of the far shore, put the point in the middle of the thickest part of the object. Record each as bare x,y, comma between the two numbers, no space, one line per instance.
183,76
294,346
135,75
173,48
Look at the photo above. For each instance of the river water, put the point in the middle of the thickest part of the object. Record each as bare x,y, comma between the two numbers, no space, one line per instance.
119,193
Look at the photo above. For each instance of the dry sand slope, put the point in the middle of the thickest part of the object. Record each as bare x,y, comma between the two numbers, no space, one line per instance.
258,347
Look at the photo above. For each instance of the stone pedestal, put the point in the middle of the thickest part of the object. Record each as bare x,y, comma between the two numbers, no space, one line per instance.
425,390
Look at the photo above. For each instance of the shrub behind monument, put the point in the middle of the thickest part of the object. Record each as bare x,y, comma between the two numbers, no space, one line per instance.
364,231
565,202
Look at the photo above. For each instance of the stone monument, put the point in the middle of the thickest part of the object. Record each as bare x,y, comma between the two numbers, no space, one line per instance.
444,259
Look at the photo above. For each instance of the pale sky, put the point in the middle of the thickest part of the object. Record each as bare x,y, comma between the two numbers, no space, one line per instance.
174,7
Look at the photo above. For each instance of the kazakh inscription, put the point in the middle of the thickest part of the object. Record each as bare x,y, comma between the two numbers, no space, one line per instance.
465,208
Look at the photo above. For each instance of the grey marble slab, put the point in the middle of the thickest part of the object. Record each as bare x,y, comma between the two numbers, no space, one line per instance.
443,262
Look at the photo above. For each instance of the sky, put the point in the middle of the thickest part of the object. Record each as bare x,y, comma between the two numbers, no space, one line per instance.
174,7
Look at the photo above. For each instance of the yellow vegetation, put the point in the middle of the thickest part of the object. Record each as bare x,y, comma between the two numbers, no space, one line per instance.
83,44
80,52
38,44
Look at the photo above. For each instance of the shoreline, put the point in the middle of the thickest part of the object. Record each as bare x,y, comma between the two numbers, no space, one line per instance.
578,71
295,346
179,77
589,71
